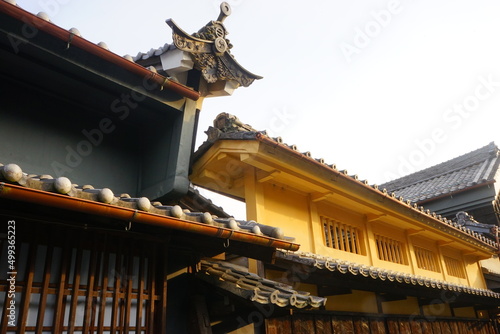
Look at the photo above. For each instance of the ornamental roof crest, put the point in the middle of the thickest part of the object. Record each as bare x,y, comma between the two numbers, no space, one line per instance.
210,50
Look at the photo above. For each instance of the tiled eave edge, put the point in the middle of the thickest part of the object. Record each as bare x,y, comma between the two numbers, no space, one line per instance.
487,159
256,289
135,215
411,209
354,269
42,23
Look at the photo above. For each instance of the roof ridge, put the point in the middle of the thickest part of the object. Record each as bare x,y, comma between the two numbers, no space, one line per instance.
439,175
487,149
220,132
354,268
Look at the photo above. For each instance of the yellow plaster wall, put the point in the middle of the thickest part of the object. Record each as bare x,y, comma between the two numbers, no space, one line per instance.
465,312
357,301
474,272
407,306
311,288
437,309
288,210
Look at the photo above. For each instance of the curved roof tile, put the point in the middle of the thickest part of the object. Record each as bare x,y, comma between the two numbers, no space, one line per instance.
252,287
229,127
351,268
12,173
465,171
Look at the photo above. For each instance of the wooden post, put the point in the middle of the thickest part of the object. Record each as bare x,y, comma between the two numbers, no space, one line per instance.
199,320
162,286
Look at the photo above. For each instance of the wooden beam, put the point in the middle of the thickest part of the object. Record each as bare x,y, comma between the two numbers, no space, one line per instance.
45,286
326,290
164,287
430,301
442,243
221,156
389,297
412,231
220,178
199,319
472,252
316,197
263,176
370,217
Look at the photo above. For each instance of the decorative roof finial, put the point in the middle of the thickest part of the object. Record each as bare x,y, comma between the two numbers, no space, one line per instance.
210,51
225,11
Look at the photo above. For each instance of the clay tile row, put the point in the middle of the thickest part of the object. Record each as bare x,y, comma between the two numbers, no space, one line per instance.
62,185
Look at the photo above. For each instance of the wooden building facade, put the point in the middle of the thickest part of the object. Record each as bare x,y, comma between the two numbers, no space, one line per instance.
94,160
369,252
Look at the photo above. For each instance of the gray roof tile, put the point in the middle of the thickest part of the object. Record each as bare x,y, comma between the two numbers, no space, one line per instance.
457,174
229,127
249,286
12,173
319,262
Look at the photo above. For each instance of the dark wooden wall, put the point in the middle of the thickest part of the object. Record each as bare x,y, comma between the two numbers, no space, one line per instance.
330,324
76,281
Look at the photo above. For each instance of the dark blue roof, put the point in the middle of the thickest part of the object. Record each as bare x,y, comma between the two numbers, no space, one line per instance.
458,174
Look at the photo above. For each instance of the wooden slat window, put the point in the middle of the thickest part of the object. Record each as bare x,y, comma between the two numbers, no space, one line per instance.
454,267
341,236
390,250
77,282
426,259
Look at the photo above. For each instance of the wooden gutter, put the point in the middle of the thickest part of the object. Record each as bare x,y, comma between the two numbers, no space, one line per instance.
21,194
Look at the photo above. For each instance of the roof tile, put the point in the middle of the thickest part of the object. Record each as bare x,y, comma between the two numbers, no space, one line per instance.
12,173
351,268
229,127
457,174
237,280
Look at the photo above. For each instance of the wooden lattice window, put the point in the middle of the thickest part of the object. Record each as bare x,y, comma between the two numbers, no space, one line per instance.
454,267
75,281
390,250
341,236
426,259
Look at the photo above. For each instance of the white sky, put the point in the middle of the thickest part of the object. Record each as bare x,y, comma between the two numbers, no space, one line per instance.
380,88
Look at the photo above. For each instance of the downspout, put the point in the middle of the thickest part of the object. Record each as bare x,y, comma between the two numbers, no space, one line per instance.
74,40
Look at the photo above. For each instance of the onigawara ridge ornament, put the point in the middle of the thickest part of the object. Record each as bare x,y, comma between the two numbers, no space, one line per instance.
210,50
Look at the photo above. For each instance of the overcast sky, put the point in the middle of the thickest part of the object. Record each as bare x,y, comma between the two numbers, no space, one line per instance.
380,88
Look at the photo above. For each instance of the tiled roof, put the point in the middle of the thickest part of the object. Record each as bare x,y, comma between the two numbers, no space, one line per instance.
455,175
322,263
12,174
195,201
238,281
153,52
73,36
229,127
